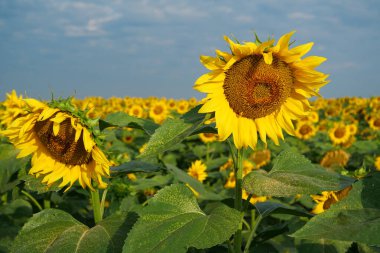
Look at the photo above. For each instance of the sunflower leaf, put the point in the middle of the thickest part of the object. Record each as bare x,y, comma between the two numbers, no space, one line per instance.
354,218
136,166
122,119
173,222
293,174
53,230
172,132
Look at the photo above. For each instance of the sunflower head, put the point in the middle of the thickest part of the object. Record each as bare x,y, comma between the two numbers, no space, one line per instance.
197,170
63,144
259,87
305,130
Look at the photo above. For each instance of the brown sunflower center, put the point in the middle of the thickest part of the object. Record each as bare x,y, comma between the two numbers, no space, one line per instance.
62,146
305,129
158,110
255,89
376,123
340,132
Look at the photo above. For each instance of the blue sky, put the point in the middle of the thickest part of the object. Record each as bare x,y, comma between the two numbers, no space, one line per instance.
152,47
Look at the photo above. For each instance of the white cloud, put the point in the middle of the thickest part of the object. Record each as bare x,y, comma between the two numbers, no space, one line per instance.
301,15
85,19
244,19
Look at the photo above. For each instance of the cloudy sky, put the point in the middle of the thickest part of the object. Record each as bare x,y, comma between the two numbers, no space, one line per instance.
152,47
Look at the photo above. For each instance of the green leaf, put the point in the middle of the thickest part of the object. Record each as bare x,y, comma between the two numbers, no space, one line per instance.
173,222
34,184
9,165
182,176
122,119
292,174
323,245
354,218
172,132
56,231
268,207
136,166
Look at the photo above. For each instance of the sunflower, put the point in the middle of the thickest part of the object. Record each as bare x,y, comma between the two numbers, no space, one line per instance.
374,122
14,108
260,158
171,104
377,163
158,112
197,170
136,111
327,198
335,158
339,134
62,145
182,106
305,130
254,199
208,137
259,88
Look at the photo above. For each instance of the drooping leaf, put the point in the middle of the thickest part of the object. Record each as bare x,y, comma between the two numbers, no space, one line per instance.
53,230
172,132
293,174
268,207
354,218
9,165
122,119
173,222
136,166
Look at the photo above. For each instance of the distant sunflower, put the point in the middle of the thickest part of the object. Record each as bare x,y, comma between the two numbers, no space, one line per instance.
260,158
14,108
374,122
63,147
197,170
158,111
182,106
259,88
327,198
136,111
208,137
377,163
254,199
335,158
339,134
305,130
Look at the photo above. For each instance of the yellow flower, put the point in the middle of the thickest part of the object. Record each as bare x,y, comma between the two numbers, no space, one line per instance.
158,112
172,104
193,101
132,176
305,130
62,146
335,158
227,165
208,137
374,122
198,170
231,181
327,198
254,199
339,134
14,108
259,88
182,106
377,163
260,158
136,111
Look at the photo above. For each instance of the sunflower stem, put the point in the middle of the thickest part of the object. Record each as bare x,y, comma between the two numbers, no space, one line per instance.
238,197
255,224
35,202
103,202
96,205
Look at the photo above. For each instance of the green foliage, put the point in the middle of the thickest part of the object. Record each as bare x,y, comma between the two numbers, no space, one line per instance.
122,119
172,132
136,166
293,174
355,218
53,230
173,222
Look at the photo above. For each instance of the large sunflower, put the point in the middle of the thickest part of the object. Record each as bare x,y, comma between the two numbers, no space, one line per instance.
259,87
62,146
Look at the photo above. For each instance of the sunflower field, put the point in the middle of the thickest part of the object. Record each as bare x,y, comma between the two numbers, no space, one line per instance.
255,166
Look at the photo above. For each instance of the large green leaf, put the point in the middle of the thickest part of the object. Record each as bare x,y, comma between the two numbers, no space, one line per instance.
355,218
56,231
173,222
122,119
172,132
270,207
292,174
